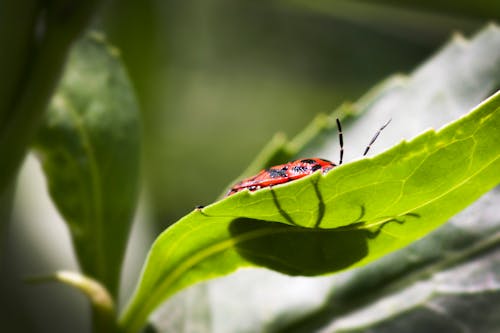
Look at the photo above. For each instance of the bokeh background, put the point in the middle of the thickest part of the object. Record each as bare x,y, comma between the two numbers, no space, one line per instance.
215,81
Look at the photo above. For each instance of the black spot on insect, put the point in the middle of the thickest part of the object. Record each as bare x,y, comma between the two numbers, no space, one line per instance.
327,161
308,161
315,167
275,173
299,169
285,168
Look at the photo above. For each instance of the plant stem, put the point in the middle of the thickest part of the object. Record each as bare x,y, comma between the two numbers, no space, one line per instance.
104,319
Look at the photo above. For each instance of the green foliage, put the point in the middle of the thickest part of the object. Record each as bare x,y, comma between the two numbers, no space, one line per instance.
349,217
441,282
424,182
31,69
357,213
89,147
89,136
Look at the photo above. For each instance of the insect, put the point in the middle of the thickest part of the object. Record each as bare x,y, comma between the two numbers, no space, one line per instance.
297,169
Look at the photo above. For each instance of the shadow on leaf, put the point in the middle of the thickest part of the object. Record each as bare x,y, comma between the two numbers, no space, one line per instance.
296,250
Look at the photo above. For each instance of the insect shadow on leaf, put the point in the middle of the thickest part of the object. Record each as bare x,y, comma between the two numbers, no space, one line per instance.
295,250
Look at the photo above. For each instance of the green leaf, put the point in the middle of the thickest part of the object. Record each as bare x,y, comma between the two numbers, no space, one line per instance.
377,205
441,282
89,148
434,94
424,182
38,37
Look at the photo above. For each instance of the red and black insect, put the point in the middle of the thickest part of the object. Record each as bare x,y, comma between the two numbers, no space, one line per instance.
290,171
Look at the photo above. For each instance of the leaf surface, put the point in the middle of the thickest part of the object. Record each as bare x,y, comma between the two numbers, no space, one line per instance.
444,282
332,222
366,209
89,149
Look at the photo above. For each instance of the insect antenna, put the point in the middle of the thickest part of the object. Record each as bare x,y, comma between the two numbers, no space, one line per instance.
375,137
341,141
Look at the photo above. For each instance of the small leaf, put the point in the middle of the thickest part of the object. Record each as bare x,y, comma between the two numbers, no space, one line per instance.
422,186
93,289
89,148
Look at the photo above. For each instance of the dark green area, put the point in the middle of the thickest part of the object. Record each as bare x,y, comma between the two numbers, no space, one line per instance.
89,149
295,250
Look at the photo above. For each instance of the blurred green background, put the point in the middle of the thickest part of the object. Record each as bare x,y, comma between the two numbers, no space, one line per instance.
215,81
